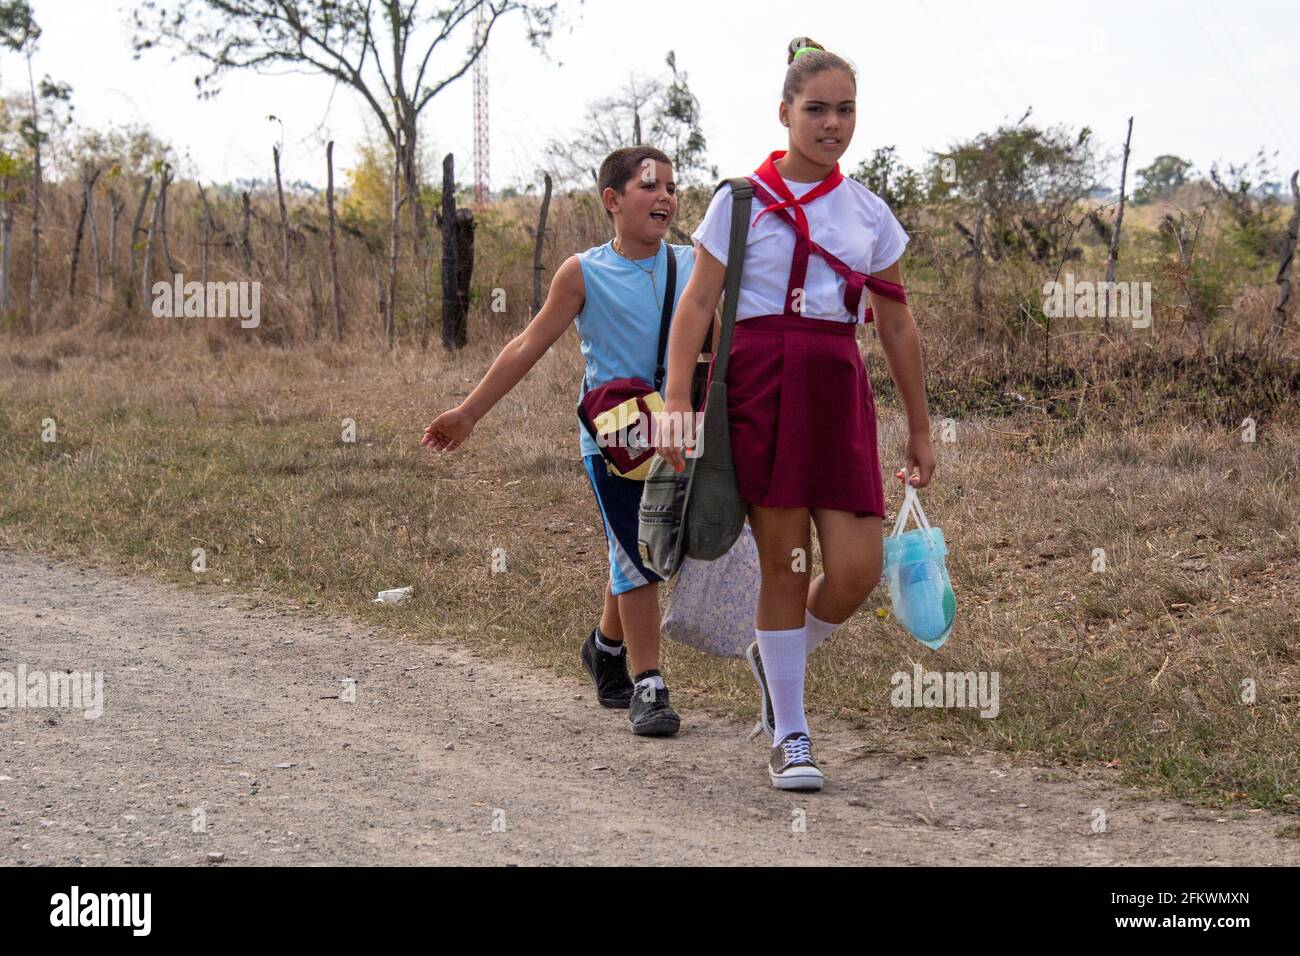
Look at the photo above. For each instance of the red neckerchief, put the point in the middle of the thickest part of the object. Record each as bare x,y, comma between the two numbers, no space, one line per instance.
804,244
772,179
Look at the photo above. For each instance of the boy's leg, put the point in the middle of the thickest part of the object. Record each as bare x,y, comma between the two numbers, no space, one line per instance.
610,624
638,612
632,596
632,599
650,712
637,590
603,654
605,657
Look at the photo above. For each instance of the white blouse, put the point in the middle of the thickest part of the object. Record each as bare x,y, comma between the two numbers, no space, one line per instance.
850,222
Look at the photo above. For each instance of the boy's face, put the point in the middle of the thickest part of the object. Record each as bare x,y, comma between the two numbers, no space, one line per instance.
822,117
648,203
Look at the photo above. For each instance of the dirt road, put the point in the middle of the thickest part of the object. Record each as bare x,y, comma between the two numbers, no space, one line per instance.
234,722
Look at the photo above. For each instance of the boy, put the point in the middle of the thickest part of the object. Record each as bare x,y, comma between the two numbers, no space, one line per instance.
615,293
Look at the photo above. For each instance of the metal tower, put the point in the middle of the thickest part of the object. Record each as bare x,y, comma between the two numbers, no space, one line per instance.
481,152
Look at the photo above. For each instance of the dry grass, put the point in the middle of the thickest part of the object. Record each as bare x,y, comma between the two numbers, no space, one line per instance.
165,445
1068,440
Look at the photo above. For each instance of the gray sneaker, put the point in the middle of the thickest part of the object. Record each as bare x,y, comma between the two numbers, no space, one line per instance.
766,720
791,765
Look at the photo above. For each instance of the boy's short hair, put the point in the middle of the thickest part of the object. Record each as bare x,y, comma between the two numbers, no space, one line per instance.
621,165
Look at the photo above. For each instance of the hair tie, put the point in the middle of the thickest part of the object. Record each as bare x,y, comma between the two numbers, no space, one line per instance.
804,49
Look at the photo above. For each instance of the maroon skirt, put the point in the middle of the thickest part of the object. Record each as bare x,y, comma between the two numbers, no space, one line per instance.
803,417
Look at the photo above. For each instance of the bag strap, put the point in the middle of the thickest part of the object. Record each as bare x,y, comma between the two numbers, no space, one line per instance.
670,290
854,281
742,199
912,506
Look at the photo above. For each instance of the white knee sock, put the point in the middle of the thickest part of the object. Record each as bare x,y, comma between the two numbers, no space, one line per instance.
818,630
783,654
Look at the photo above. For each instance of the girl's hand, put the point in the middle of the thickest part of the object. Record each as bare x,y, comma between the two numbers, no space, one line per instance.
449,429
674,431
920,461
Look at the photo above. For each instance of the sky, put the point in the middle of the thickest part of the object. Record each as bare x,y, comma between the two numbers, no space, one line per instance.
1204,79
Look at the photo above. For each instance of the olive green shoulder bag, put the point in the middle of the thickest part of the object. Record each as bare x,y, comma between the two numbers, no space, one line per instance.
698,512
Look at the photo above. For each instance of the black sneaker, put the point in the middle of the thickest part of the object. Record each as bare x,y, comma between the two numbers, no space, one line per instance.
791,766
608,672
651,715
766,720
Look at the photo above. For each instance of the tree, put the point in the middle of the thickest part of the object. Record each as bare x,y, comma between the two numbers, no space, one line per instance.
19,32
1027,178
900,186
609,123
648,111
127,151
1240,189
109,162
677,126
369,185
383,50
117,161
1163,176
15,166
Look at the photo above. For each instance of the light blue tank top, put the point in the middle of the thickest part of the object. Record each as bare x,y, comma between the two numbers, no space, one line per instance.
619,322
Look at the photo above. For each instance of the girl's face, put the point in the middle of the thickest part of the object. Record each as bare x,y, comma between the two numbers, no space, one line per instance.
822,117
648,203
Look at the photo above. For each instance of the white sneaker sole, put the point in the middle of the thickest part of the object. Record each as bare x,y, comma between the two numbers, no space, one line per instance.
797,778
751,656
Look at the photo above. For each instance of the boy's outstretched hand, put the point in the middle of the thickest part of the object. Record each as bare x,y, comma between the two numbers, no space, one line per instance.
449,429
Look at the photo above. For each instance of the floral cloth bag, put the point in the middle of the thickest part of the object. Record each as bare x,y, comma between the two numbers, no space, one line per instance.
713,604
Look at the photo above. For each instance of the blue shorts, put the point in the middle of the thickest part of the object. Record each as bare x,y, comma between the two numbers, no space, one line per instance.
619,500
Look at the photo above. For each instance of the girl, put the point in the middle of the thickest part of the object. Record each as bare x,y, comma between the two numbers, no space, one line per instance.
616,293
802,415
